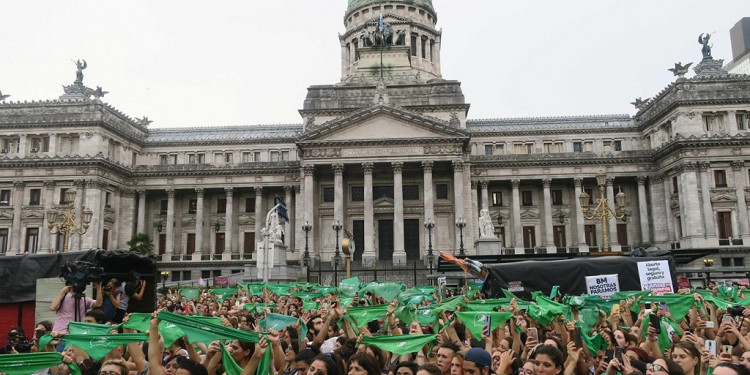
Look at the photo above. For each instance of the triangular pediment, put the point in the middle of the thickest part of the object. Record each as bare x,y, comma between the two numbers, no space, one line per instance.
382,122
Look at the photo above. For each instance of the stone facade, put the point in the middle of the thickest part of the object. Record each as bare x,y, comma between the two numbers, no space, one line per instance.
382,151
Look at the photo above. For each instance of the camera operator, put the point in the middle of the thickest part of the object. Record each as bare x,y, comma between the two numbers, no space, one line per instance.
111,299
129,290
64,305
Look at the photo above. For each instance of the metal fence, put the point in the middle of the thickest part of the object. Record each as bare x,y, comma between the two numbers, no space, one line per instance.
411,273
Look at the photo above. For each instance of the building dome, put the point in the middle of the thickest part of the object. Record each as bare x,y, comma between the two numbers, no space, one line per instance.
421,3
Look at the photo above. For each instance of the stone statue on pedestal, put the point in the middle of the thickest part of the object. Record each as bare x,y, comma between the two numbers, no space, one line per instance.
486,227
276,229
80,66
706,50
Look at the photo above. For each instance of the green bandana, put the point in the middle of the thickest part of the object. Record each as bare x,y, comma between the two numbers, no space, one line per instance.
474,321
138,321
401,345
190,293
388,291
307,296
305,286
83,328
255,289
593,343
277,322
427,315
405,314
197,329
451,304
230,366
487,304
349,287
223,293
27,363
259,308
678,304
280,289
365,314
310,305
97,346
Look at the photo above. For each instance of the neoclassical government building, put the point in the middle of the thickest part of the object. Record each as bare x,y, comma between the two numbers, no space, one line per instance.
384,150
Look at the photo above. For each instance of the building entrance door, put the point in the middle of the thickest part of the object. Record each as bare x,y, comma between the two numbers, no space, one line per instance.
385,239
358,231
411,238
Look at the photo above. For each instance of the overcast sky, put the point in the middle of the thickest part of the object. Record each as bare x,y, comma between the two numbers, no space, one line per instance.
199,63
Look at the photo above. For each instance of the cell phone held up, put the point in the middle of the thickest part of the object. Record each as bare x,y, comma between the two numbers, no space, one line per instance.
655,322
710,346
618,354
487,325
578,337
532,332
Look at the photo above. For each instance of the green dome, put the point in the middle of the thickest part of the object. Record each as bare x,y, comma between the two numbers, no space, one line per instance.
421,3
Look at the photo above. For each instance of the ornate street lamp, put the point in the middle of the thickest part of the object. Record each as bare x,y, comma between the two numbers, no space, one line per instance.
708,262
68,226
602,210
337,257
307,227
429,225
461,224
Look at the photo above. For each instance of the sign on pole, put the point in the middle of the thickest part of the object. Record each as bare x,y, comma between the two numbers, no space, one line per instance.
655,276
602,285
281,209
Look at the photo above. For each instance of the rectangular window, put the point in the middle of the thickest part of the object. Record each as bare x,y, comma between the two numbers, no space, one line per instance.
249,204
190,243
105,239
192,159
173,159
163,206
192,206
617,145
557,197
675,187
588,146
410,192
622,234
134,158
229,157
358,193
739,262
256,156
107,199
356,50
529,237
32,240
221,206
441,191
247,157
414,45
518,148
5,197
577,147
275,156
62,196
382,192
547,147
3,240
590,234
497,198
424,48
163,160
499,149
35,197
529,148
713,122
201,158
724,224
726,262
488,149
558,233
720,178
607,145
249,243
329,194
526,198
743,121
284,155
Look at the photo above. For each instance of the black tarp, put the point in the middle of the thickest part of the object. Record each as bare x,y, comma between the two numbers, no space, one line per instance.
18,273
569,274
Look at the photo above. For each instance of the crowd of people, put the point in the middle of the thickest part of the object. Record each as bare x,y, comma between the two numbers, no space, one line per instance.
385,328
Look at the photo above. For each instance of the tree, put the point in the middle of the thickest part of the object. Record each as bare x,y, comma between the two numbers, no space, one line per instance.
141,243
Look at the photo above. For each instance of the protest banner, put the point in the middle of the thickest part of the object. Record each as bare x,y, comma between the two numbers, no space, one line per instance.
655,276
602,285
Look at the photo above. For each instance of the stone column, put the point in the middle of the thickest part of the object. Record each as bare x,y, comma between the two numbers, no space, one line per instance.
141,224
45,238
92,238
15,239
399,253
169,224
739,185
732,122
473,220
199,192
549,238
643,209
76,240
125,217
229,223
614,244
668,208
289,227
308,172
690,210
52,144
368,255
583,247
485,193
114,237
517,230
338,193
429,200
709,220
260,216
458,194
658,214
22,149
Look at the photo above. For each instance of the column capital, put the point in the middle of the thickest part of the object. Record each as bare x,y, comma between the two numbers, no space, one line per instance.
289,189
484,184
367,167
515,183
94,184
199,192
398,166
19,184
427,165
258,190
141,192
474,184
308,169
229,191
577,181
49,185
687,166
79,184
338,168
170,193
610,181
546,183
655,179
128,193
703,166
641,180
458,165
738,165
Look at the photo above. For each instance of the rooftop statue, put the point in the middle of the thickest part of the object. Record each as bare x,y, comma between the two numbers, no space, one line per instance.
366,38
401,37
3,97
703,39
639,103
80,65
680,70
99,93
387,34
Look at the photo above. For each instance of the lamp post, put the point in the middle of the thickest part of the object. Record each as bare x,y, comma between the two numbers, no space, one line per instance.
68,226
164,277
306,258
461,224
429,225
602,210
337,257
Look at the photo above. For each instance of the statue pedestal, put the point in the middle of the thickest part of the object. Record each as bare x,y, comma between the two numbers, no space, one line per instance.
281,272
488,246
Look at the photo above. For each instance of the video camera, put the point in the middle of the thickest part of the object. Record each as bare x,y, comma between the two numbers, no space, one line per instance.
17,340
79,274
